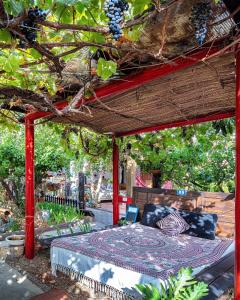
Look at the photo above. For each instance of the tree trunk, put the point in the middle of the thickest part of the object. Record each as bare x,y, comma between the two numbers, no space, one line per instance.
157,180
8,190
96,186
130,175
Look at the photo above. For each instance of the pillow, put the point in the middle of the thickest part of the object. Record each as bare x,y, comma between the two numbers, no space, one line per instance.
201,225
153,213
173,224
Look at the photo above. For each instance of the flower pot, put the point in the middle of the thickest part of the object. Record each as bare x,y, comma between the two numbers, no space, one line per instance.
15,240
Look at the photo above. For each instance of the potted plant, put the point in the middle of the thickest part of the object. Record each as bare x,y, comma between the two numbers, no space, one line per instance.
123,222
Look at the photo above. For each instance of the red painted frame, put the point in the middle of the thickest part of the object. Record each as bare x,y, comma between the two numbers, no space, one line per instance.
237,198
115,181
179,124
125,200
134,81
29,192
139,79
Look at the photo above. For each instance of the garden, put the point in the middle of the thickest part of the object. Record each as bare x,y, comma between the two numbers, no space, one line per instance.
108,105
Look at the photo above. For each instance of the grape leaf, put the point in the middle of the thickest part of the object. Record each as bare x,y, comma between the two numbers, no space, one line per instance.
5,35
10,64
67,2
106,68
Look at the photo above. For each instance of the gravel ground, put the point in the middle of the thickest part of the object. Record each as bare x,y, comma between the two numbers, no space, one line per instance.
38,271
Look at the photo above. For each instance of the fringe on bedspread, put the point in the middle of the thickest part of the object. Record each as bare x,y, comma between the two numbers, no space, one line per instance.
96,286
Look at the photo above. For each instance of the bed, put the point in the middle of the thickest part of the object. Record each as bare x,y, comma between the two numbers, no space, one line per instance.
114,260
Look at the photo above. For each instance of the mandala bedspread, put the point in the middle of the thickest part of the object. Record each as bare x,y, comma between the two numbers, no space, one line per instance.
146,250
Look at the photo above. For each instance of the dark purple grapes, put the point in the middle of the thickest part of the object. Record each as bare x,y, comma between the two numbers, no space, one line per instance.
199,18
114,10
37,14
29,26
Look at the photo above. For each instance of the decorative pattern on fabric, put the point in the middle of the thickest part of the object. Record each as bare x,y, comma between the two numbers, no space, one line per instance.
173,224
146,250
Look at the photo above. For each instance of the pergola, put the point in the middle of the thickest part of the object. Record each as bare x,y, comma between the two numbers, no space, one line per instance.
201,86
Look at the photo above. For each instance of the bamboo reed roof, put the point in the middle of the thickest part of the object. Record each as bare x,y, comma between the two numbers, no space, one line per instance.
204,89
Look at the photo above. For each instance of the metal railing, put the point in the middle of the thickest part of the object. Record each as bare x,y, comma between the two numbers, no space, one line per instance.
64,201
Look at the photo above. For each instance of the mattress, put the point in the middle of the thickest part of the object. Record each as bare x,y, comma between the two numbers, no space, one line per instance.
117,259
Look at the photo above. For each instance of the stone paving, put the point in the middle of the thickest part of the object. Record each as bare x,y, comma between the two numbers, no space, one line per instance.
13,285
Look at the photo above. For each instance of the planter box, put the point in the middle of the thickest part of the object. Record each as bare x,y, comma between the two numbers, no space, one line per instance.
47,237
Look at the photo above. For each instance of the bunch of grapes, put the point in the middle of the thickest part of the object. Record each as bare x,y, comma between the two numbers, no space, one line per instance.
114,10
29,26
199,18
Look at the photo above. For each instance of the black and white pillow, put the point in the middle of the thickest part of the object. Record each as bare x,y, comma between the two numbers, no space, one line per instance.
173,224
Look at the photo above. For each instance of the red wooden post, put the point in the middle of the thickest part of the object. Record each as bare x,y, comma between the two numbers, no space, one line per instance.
29,189
237,197
115,181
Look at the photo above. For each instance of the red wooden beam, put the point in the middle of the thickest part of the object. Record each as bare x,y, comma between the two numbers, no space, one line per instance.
29,189
147,75
115,173
41,114
237,197
178,124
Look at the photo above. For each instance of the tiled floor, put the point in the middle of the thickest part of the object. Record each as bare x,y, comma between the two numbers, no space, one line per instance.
108,206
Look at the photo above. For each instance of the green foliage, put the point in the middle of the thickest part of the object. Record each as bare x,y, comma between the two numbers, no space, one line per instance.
179,287
123,222
105,69
49,155
85,227
85,12
14,226
190,156
85,144
60,213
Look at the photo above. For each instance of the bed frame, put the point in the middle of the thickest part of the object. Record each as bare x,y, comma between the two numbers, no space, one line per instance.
219,277
221,204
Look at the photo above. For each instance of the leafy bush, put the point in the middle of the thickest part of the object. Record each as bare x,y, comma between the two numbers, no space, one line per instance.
14,226
179,287
85,227
123,222
60,213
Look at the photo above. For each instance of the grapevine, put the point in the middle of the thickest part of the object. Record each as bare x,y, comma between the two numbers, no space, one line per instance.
114,10
29,26
199,18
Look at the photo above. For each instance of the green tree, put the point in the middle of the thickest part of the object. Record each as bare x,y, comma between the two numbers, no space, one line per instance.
198,157
49,155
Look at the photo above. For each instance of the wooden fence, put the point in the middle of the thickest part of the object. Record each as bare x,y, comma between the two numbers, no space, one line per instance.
221,204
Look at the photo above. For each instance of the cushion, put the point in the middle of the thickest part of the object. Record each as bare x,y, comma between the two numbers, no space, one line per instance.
173,224
153,213
201,224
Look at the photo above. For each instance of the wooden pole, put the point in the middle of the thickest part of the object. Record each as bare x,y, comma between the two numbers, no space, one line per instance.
115,181
29,189
237,197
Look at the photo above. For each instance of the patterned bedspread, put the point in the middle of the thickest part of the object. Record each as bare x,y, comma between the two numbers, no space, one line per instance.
146,250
